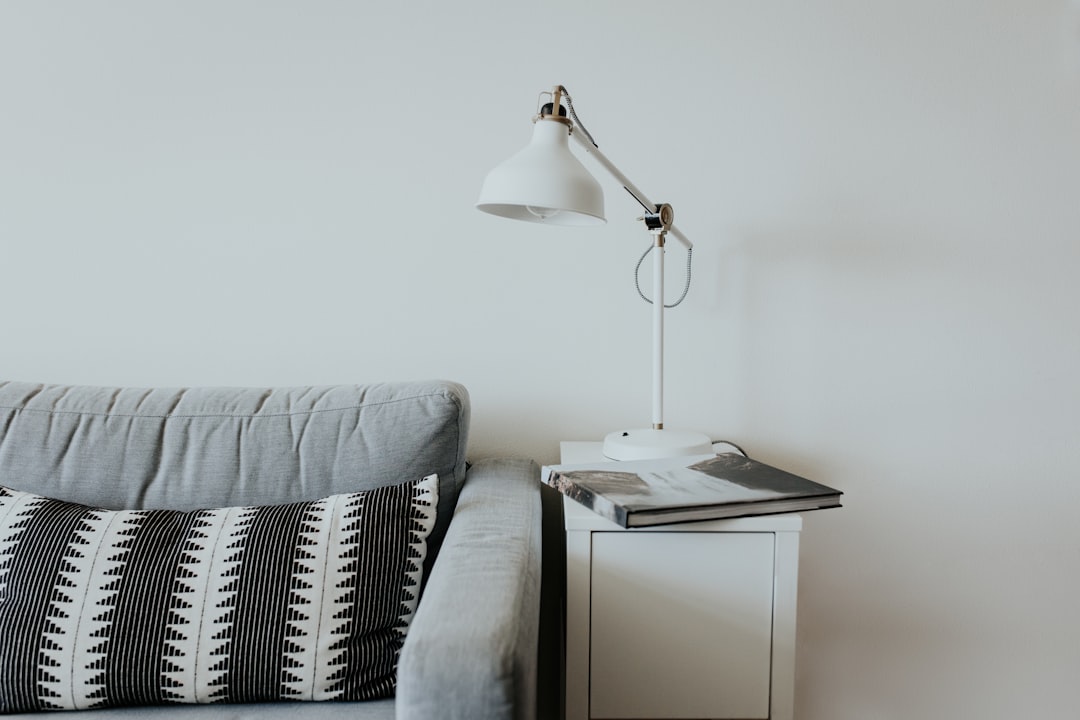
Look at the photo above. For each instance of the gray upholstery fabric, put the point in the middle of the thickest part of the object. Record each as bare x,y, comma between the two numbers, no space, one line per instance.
489,567
183,449
471,651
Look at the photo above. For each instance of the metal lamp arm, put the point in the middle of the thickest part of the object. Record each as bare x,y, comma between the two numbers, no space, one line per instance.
630,187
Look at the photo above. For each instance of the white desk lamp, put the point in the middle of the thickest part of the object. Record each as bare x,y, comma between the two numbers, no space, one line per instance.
545,183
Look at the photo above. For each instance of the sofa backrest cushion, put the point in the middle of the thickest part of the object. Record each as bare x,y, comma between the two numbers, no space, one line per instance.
192,448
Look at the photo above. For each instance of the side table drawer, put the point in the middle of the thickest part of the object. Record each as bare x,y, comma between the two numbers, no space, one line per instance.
681,624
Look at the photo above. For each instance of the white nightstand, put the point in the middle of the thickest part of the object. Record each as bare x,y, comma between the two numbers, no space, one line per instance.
693,620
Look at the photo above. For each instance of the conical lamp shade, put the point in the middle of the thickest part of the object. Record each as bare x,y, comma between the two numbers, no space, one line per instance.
544,182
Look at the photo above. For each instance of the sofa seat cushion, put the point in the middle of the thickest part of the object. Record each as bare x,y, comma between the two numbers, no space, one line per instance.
299,601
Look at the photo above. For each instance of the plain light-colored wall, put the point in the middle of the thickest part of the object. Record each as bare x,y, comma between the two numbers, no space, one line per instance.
884,198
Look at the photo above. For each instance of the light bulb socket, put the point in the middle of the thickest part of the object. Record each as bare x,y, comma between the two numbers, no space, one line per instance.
547,110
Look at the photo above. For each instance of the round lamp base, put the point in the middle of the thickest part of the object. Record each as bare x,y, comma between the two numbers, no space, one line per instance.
647,444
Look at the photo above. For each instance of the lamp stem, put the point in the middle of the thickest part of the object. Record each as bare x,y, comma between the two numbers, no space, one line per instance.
658,333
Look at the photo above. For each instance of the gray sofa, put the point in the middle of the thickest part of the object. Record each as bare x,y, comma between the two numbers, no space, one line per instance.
471,648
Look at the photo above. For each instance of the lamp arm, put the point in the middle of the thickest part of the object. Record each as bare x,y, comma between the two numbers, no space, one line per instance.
630,187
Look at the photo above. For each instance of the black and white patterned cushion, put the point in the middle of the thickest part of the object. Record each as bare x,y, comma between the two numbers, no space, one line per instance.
306,601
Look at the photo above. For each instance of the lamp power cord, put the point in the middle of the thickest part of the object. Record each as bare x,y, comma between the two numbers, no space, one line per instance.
574,116
637,276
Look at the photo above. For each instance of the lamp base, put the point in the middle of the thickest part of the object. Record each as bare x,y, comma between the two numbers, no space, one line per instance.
647,444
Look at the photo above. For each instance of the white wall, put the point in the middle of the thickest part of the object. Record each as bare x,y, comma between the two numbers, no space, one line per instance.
885,199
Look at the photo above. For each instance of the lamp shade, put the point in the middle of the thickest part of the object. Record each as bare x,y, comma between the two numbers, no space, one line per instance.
544,182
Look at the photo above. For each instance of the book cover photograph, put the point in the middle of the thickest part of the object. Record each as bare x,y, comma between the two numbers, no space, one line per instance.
703,487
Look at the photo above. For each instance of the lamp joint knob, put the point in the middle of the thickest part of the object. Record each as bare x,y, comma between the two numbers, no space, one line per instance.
661,220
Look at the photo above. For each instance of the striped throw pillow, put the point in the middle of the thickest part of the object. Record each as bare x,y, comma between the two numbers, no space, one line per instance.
305,601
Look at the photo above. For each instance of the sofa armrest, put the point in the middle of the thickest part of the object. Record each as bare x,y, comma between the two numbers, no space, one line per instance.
471,650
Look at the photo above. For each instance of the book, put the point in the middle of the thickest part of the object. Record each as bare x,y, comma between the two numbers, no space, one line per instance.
639,493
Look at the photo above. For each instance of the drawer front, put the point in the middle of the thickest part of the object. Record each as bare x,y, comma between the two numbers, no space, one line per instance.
681,624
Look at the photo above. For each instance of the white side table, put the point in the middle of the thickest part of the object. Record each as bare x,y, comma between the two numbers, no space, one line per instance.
690,620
